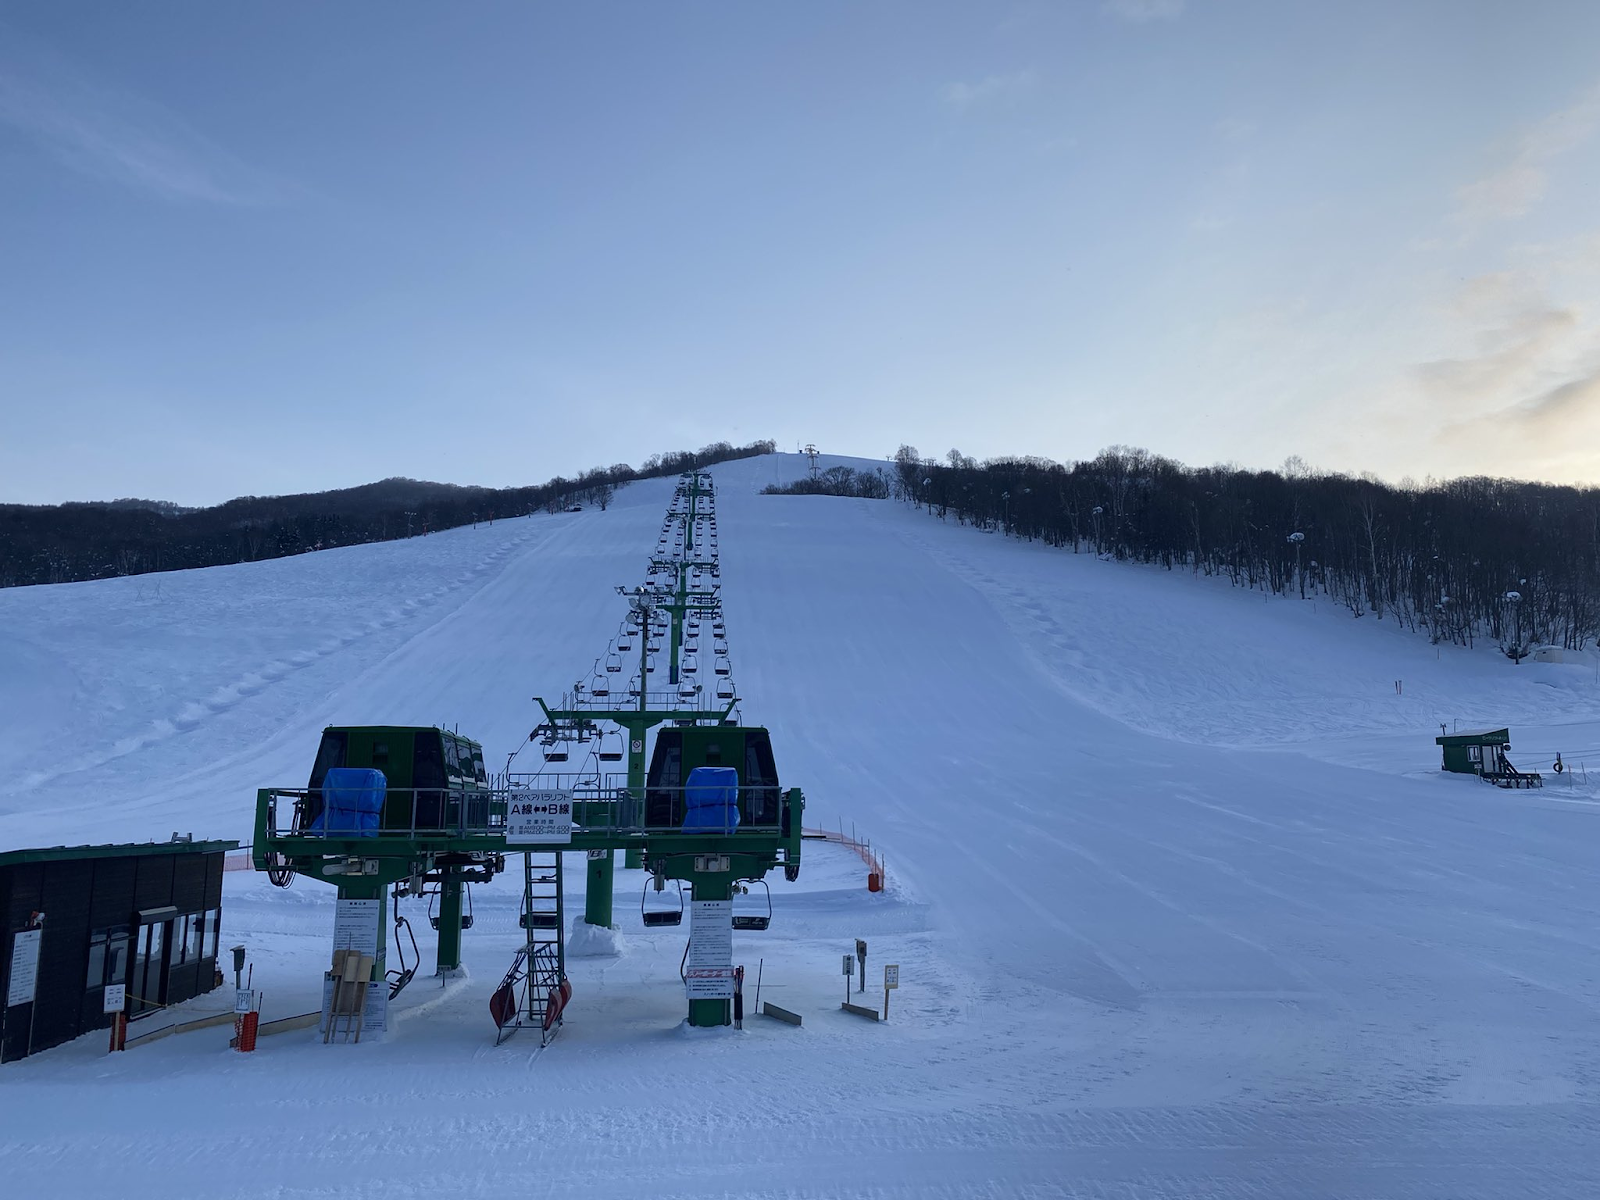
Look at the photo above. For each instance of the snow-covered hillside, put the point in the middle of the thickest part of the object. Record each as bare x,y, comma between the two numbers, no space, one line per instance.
1182,904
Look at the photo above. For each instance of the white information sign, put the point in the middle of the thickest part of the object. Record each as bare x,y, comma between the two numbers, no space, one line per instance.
24,967
355,925
116,998
891,977
539,819
849,964
244,1000
708,971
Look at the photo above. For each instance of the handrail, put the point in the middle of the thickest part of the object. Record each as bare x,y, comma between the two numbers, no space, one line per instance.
599,805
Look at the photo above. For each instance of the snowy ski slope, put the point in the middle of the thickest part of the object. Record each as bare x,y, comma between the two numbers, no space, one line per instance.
1182,905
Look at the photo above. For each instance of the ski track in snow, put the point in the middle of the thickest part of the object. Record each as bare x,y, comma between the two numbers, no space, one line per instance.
1183,907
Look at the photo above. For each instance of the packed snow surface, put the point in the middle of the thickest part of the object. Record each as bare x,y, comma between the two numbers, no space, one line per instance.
1183,906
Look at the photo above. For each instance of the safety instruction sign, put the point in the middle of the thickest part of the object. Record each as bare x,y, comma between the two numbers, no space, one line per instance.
708,970
115,998
355,925
539,819
24,967
891,977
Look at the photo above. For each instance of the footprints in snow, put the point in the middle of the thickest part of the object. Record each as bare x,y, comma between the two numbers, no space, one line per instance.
195,712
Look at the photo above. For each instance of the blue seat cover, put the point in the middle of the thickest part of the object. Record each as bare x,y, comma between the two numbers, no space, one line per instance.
352,800
711,799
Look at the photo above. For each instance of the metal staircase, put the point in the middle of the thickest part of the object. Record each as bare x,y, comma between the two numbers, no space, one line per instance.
544,956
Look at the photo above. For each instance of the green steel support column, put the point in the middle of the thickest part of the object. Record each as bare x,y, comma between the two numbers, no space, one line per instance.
712,1012
449,922
677,633
633,859
597,890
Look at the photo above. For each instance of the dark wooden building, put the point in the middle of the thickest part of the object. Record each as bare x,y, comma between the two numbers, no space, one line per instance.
74,919
1485,753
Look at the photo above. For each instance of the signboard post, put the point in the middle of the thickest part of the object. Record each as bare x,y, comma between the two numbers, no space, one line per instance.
891,981
849,967
24,967
115,1001
355,927
25,974
708,972
540,819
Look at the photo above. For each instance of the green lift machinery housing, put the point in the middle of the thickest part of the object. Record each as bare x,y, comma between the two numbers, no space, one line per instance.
445,836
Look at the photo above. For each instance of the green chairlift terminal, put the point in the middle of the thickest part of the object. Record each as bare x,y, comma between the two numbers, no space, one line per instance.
442,824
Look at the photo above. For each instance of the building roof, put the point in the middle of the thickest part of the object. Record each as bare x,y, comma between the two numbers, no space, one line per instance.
1474,737
10,858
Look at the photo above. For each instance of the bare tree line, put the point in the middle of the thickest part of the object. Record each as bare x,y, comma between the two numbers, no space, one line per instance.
1464,560
70,542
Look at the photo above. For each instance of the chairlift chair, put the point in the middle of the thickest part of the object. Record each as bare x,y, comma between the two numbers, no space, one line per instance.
466,917
654,918
611,747
725,690
755,919
613,664
722,666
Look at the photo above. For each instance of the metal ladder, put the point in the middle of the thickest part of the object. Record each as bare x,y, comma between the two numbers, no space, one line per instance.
544,920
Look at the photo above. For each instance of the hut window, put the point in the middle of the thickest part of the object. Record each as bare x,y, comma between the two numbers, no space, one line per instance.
108,956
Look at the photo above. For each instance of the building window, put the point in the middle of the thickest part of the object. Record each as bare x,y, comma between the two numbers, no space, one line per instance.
213,926
1474,754
108,957
197,936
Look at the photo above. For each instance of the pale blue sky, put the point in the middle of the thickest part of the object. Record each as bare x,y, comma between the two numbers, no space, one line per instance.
281,247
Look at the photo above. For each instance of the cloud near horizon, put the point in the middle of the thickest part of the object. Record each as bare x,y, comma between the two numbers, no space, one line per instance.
1520,182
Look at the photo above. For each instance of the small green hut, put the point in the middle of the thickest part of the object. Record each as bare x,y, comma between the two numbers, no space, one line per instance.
1483,752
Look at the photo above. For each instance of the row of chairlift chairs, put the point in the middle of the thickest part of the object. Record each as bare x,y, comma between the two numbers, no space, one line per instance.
601,685
748,914
758,915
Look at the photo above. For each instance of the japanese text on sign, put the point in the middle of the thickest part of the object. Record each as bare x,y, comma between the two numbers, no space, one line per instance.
709,963
24,966
539,818
891,977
